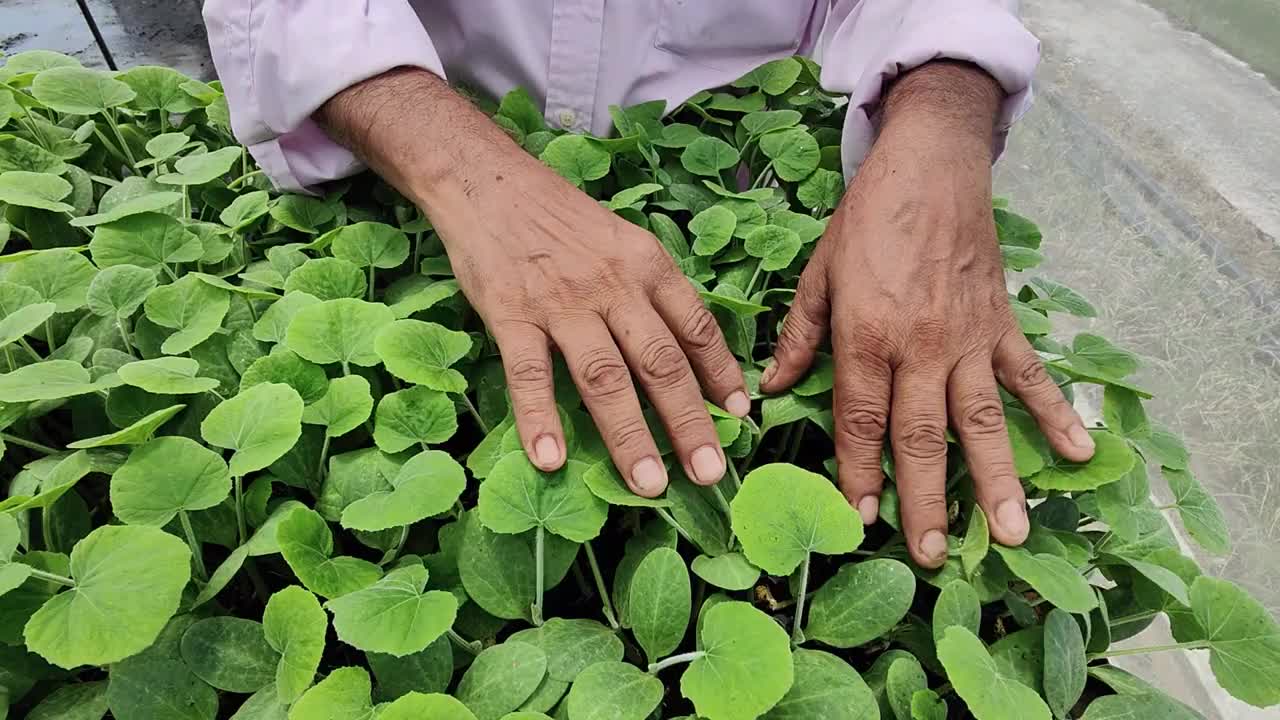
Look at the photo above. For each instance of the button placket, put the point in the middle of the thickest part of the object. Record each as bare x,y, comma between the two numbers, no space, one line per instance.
577,30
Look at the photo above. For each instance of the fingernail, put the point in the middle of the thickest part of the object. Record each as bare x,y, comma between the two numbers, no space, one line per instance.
1012,516
934,546
1081,437
869,509
648,477
769,372
738,403
708,465
547,451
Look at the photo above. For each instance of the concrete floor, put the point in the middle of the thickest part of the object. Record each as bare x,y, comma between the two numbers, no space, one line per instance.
1152,162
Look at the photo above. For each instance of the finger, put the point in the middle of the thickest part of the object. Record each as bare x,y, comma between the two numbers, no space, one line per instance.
977,415
698,333
862,391
663,370
1022,372
526,360
604,382
802,331
917,422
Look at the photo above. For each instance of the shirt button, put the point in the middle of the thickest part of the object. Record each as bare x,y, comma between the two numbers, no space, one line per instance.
567,119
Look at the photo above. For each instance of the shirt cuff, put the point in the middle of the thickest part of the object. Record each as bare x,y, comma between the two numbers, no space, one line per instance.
877,42
281,61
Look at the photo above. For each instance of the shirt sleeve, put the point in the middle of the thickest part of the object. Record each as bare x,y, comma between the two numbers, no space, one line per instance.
867,43
280,60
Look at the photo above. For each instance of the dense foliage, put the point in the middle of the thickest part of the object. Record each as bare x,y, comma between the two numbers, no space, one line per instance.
259,462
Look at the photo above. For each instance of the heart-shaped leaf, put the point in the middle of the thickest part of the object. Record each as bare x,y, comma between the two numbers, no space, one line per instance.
79,91
793,152
745,667
428,484
43,191
338,331
773,78
193,308
712,229
778,531
423,353
417,416
259,425
1112,459
730,571
149,239
200,168
576,158
775,246
307,546
708,155
367,244
128,583
166,476
302,213
166,376
345,405
1200,512
274,322
327,278
1243,640
517,497
59,276
118,291
394,615
230,654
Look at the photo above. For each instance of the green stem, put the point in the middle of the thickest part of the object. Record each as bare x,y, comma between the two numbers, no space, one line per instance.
48,335
475,414
84,230
15,440
417,250
1194,645
1125,620
754,276
346,368
471,646
186,204
655,668
196,553
672,522
539,541
50,577
46,530
797,636
761,178
733,476
241,530
600,587
8,358
324,456
110,146
124,336
124,146
795,442
724,505
1167,508
390,556
236,183
369,292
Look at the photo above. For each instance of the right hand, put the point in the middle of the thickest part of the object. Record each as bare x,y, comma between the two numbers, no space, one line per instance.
546,265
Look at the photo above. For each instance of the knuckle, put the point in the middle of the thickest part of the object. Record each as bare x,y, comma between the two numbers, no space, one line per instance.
981,414
629,436
699,328
687,423
1030,373
863,422
871,342
529,373
662,362
929,500
603,373
923,440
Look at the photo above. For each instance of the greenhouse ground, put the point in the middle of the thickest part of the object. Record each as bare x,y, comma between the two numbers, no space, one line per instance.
1152,161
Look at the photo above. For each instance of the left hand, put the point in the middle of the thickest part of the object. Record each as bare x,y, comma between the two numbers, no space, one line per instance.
909,278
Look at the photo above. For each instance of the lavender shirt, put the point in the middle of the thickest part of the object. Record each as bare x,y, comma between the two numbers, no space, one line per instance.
279,60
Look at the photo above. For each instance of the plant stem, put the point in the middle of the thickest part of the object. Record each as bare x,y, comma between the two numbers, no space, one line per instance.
797,636
672,522
600,587
393,553
196,553
1125,620
8,358
539,541
30,350
124,336
733,476
1167,508
417,250
48,335
241,531
754,276
728,511
370,289
1194,645
796,442
46,530
15,440
471,646
50,577
124,146
236,183
475,414
324,455
655,668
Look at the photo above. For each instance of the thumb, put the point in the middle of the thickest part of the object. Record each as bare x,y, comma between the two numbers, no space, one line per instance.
802,332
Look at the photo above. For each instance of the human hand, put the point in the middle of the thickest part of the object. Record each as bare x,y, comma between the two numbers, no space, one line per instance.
909,279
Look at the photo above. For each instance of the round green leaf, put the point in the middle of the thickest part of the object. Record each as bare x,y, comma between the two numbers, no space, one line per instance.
166,376
862,602
957,604
79,91
294,625
576,158
307,546
200,168
338,331
327,279
60,276
821,190
501,678
990,692
343,695
758,123
793,152
129,580
422,353
158,89
825,687
1200,512
193,308
1051,576
274,322
17,324
284,366
155,685
773,78
148,202
1112,459
259,425
166,145
230,654
118,291
746,665
48,380
659,602
497,571
345,405
712,229
416,416
374,244
1243,638
572,646
614,691
708,155
775,246
428,484
807,227
779,530
730,571
394,615
302,213
416,293
43,191
244,210
166,476
149,239
517,497
416,706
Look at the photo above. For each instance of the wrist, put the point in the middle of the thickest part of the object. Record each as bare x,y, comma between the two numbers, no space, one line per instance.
944,106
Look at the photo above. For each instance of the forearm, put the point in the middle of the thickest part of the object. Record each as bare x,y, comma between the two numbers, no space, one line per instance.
421,136
945,106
